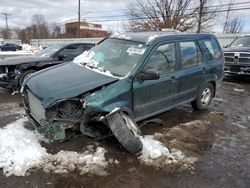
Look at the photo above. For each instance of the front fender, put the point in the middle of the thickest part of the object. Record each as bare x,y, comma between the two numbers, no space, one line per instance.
116,95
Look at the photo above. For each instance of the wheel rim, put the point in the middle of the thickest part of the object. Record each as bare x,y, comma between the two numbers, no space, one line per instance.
130,124
206,96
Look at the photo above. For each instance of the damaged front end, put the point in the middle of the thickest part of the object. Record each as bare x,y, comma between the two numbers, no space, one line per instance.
100,113
9,77
53,122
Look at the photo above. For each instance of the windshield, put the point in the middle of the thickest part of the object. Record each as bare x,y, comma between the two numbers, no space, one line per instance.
241,41
114,56
49,51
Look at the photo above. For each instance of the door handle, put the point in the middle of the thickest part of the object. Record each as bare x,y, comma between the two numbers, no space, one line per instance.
173,78
204,70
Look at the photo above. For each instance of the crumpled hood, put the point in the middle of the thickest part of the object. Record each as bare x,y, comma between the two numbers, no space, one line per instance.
65,81
237,49
17,60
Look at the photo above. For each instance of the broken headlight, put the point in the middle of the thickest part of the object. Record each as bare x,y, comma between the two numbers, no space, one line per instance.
69,109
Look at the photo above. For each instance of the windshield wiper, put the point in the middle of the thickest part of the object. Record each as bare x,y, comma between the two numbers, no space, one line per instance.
92,66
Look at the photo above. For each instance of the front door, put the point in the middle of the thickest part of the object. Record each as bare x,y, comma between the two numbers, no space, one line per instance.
150,97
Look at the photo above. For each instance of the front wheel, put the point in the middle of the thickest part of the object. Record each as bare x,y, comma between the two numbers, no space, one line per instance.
125,130
204,97
25,75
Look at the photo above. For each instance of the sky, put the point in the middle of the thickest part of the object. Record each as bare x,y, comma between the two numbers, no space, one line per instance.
61,11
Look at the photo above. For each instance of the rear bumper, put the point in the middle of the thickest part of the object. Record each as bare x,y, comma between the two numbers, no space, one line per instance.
237,69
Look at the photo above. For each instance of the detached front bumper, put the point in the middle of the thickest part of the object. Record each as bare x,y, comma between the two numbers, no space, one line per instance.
237,69
54,130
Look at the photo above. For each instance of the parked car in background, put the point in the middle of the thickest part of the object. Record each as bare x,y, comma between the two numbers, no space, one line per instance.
124,79
237,56
1,41
14,70
9,47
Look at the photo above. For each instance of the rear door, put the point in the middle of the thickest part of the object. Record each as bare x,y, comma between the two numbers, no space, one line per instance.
192,71
153,96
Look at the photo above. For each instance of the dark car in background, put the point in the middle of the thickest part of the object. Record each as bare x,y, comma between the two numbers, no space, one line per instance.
237,56
124,79
10,47
14,70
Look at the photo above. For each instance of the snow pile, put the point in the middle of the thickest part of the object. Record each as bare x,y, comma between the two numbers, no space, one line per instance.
20,150
121,36
154,153
29,48
151,38
69,161
239,90
88,59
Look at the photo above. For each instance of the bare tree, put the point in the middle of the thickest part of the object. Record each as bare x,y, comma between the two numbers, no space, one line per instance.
236,24
159,14
56,32
233,22
6,33
204,15
39,27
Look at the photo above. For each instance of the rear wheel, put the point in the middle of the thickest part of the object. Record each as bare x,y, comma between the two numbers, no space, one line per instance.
125,130
25,75
204,97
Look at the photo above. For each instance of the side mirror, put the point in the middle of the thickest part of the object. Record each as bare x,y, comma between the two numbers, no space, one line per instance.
61,56
149,74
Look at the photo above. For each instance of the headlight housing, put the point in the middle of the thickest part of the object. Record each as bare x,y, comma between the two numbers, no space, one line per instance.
69,109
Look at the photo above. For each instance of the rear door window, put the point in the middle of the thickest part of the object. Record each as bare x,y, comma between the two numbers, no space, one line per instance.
190,54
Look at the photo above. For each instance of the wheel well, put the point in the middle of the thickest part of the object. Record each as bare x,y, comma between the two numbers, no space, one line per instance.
214,84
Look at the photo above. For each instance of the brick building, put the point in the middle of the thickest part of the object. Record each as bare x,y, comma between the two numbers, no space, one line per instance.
87,30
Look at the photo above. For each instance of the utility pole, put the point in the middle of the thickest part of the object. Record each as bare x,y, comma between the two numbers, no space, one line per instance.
6,18
6,21
79,17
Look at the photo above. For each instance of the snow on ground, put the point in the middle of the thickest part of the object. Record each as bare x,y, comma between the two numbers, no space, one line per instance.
154,153
20,52
20,150
240,90
8,109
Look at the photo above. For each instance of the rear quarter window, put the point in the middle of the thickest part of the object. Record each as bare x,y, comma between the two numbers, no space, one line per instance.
211,49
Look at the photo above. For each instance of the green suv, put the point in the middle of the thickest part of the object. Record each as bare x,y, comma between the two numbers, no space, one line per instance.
124,79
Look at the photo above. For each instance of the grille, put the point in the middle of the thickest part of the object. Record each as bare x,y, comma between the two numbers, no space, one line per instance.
235,69
36,109
237,57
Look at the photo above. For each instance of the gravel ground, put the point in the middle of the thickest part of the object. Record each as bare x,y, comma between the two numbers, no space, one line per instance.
221,146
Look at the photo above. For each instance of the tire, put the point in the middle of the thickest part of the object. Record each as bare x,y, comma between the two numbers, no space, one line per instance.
125,130
204,97
25,75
